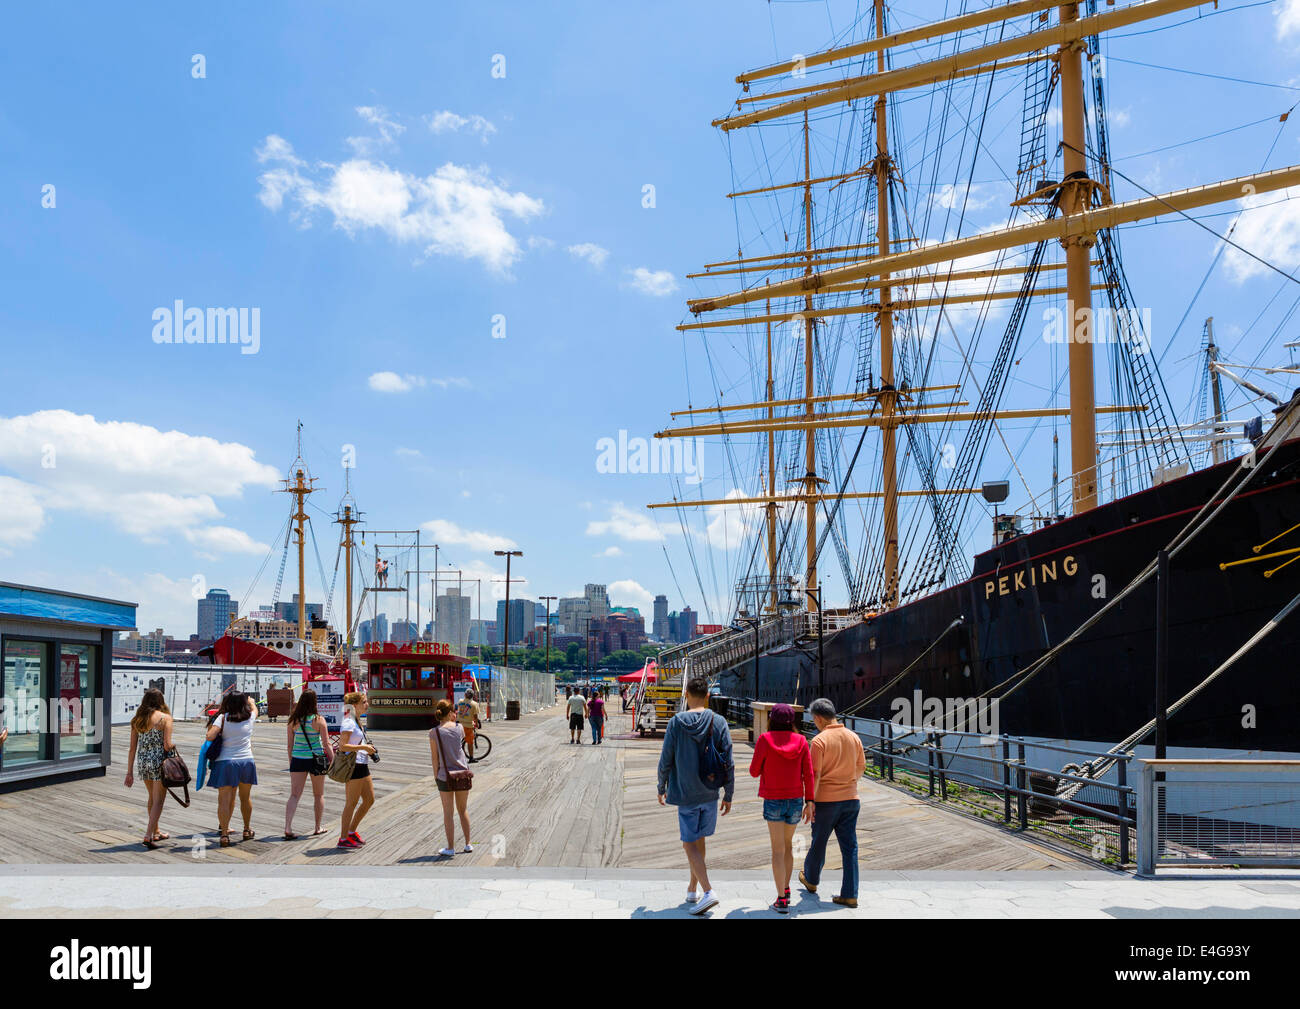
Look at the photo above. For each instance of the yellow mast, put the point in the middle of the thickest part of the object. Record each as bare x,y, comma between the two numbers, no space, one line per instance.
347,521
1075,197
889,460
300,487
810,429
771,473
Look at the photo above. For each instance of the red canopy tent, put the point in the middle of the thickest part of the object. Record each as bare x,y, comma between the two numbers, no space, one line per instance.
636,677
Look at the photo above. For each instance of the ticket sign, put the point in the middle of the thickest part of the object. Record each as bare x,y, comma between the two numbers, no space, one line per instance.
329,702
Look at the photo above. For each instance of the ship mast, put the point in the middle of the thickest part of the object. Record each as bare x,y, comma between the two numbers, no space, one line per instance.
771,473
1086,208
347,520
1076,197
889,462
1212,358
810,391
300,487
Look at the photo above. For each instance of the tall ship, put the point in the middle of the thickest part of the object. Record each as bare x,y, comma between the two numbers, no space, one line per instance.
956,425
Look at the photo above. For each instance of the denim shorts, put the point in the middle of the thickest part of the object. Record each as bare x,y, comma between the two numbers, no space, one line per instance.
782,810
696,822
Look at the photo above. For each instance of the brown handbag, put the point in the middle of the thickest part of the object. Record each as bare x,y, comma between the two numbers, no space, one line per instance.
176,774
457,781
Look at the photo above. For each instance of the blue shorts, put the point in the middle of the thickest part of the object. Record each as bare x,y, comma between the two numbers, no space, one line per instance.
782,810
696,822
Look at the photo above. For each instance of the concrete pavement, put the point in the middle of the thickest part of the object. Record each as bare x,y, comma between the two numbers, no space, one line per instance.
441,889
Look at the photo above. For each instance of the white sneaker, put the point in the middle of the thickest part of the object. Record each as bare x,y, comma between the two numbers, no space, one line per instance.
692,897
468,849
447,852
708,900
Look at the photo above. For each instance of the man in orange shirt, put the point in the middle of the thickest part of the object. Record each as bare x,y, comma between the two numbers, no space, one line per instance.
838,762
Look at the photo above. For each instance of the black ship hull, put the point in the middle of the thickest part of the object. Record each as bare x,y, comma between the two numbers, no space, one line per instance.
1028,594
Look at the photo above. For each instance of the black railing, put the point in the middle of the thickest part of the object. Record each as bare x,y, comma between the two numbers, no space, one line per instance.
944,763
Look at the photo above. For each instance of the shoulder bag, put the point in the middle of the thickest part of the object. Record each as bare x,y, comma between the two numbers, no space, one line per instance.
318,765
175,774
457,781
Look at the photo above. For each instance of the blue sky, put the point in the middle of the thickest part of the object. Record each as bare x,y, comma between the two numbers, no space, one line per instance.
360,176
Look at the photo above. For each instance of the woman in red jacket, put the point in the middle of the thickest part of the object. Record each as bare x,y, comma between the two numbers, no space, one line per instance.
783,766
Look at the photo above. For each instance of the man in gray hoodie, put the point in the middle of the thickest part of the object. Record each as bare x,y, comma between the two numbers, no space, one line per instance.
682,785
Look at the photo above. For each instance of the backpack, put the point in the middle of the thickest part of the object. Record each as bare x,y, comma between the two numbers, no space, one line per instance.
715,769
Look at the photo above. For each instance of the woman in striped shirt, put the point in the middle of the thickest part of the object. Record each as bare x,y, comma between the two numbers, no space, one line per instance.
308,739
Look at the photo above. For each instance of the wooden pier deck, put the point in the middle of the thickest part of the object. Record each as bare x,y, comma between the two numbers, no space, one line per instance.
537,801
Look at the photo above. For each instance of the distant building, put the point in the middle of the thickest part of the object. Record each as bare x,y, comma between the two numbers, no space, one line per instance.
289,610
573,614
597,601
660,626
483,632
145,646
215,610
404,632
453,620
681,626
372,631
523,618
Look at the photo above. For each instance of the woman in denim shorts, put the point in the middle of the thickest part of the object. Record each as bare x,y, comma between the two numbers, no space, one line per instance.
783,766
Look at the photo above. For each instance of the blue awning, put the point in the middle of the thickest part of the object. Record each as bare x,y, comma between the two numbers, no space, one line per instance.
46,604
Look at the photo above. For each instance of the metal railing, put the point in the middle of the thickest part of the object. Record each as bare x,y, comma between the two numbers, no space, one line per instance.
710,655
996,776
1219,812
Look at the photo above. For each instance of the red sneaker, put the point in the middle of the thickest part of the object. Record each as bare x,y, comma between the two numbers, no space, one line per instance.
347,842
354,836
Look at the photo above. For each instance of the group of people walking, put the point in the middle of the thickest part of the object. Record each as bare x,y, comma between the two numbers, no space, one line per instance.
798,781
227,763
586,704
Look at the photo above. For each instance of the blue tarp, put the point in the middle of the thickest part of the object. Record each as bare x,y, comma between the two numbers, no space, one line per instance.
44,604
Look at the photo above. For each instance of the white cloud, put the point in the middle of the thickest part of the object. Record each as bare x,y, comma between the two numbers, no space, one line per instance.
447,533
592,253
390,381
224,539
23,514
951,197
148,483
656,283
626,525
630,593
609,552
728,526
1288,19
1270,230
449,122
389,130
457,211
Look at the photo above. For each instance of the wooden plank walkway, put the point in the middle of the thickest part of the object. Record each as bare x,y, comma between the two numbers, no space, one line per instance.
537,801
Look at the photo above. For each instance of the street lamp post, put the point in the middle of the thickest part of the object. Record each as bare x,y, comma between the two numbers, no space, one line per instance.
505,637
821,664
549,600
587,641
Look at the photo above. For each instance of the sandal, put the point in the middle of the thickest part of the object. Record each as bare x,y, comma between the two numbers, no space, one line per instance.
290,836
225,840
149,845
248,834
160,836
